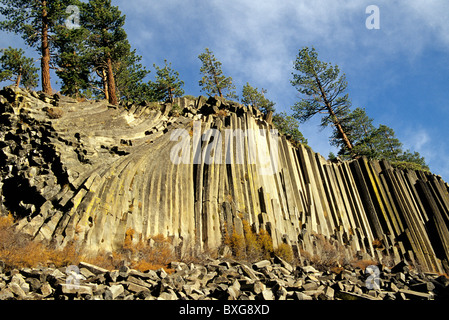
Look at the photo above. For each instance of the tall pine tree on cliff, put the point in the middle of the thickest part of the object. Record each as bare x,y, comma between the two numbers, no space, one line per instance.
256,98
107,40
167,84
322,88
73,66
35,22
14,66
213,81
375,143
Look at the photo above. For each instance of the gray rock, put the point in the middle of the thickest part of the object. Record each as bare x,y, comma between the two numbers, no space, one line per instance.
92,268
17,290
114,292
302,296
86,273
309,269
168,295
423,287
6,294
248,272
310,286
46,290
72,289
267,294
283,263
261,264
135,288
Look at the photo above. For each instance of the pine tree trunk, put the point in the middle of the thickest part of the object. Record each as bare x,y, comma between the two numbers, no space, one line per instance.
340,129
218,85
111,83
19,77
334,118
45,60
170,94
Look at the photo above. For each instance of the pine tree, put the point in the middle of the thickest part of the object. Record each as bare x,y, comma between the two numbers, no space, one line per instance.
35,22
167,84
107,40
386,143
289,126
323,88
411,160
213,81
72,62
130,75
359,129
14,66
252,96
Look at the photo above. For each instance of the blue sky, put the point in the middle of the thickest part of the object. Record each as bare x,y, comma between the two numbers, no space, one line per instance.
398,73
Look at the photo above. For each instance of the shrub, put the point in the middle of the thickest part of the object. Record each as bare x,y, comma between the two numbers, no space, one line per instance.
175,111
266,243
17,250
238,246
253,245
377,244
250,246
326,254
150,254
285,252
222,113
362,264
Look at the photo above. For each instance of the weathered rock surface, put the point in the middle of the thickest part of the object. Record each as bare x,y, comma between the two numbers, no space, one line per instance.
222,280
89,171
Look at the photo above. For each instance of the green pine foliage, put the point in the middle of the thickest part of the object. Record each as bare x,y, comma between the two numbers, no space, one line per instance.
252,96
35,21
107,42
322,89
289,126
73,65
378,143
167,85
213,81
14,66
130,77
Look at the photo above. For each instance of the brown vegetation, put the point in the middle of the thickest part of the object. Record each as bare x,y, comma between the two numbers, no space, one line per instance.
17,250
253,246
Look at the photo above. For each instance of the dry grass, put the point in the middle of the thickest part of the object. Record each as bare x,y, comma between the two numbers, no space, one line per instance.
17,250
362,264
327,253
285,252
250,246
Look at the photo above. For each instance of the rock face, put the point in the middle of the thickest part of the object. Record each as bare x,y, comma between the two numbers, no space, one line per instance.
219,280
89,171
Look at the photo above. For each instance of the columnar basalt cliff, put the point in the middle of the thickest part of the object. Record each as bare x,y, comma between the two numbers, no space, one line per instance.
89,171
